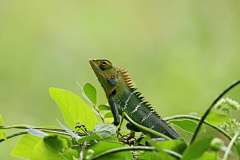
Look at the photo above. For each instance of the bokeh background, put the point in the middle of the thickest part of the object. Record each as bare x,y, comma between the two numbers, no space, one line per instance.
180,54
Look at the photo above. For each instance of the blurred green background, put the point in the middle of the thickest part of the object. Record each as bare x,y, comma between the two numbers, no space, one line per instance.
180,54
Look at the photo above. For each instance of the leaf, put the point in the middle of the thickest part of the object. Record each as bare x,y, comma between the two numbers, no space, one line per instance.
108,115
25,146
73,108
2,132
49,148
187,125
37,133
105,130
207,156
89,138
146,155
175,145
238,148
91,92
197,149
70,132
104,146
69,153
104,107
160,153
217,118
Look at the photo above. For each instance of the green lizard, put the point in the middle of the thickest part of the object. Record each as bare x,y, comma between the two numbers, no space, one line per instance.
122,97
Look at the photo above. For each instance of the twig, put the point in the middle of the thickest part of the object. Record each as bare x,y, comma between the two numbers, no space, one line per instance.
209,109
147,129
14,135
230,145
120,149
198,119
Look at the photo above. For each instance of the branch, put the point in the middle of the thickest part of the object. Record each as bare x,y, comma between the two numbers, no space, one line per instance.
230,145
120,149
198,119
147,129
209,109
14,135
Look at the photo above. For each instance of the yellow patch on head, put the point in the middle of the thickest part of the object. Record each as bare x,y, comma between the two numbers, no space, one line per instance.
106,62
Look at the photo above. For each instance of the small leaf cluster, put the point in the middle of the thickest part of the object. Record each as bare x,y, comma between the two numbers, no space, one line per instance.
227,105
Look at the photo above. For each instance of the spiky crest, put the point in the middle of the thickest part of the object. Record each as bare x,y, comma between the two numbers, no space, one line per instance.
138,94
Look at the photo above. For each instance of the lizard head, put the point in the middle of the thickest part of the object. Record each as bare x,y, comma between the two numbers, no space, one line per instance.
106,73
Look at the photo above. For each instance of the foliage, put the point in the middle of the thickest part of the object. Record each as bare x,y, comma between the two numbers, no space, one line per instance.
90,139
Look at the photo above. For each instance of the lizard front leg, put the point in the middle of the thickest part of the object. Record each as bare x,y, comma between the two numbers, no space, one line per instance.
114,108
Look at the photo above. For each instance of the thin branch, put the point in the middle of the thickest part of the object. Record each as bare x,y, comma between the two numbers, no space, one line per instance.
49,130
144,148
147,129
14,135
209,109
198,119
83,150
230,145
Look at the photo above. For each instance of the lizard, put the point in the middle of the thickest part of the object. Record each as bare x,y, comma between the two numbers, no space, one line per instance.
123,97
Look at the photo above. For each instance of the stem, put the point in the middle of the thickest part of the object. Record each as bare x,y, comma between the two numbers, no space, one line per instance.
216,155
231,120
177,155
83,150
147,129
120,125
87,134
57,132
209,109
101,116
198,119
49,130
230,145
14,135
17,126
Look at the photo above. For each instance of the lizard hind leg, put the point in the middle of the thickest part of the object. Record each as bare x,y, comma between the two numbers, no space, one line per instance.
132,127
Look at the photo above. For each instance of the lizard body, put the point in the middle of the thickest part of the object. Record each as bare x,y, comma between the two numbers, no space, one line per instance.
122,97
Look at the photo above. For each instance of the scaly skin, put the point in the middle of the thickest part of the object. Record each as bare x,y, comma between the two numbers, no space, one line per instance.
122,97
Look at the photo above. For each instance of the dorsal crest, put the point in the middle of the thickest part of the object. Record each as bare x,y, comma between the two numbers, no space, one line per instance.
127,79
128,82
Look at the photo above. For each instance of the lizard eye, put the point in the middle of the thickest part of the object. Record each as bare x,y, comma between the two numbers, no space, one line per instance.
105,65
112,76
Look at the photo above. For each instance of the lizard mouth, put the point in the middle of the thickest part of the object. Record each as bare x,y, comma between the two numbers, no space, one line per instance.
95,68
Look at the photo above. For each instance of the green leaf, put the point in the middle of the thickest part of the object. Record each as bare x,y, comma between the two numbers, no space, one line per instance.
108,115
49,148
25,146
217,118
207,156
197,149
160,153
238,148
175,145
37,133
91,92
148,155
104,107
89,138
106,130
187,125
73,108
2,132
104,146
70,154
